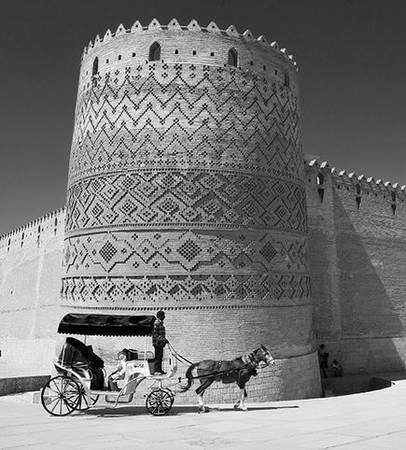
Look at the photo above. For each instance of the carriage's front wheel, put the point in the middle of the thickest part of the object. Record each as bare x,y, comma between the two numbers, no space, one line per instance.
60,396
159,402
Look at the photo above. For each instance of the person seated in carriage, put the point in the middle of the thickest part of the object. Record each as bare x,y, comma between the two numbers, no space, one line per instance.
119,373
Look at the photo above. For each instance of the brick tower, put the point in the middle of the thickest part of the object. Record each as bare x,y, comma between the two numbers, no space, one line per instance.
186,193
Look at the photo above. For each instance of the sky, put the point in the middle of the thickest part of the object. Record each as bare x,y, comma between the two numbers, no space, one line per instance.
350,53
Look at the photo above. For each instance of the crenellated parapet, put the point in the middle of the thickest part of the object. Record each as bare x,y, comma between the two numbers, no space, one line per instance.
34,231
193,27
361,185
127,52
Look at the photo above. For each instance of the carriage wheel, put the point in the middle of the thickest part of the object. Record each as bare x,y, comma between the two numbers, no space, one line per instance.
60,396
159,402
85,404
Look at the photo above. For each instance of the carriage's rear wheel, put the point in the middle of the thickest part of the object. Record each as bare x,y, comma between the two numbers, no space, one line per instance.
61,396
85,401
159,402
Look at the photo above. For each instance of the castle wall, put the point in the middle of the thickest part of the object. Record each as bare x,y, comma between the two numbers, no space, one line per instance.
187,193
30,272
358,262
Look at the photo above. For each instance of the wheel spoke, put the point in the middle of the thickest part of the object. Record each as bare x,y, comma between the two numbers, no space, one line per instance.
57,387
55,392
56,404
68,405
71,399
51,400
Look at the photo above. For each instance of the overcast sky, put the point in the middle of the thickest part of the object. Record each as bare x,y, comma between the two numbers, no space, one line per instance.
351,55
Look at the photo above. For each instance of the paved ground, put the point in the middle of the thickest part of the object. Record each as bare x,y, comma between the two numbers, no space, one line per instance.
375,420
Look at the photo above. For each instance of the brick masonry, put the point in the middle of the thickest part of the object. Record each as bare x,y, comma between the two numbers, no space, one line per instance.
187,191
357,265
30,269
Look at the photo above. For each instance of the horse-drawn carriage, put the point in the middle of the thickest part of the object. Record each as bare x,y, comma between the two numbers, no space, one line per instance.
81,379
80,376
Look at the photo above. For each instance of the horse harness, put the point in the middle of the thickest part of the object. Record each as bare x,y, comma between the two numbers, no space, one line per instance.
250,362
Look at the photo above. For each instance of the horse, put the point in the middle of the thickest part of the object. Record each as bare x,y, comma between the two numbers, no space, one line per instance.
238,370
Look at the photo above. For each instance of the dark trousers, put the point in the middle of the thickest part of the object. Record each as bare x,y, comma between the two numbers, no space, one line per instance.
112,384
159,354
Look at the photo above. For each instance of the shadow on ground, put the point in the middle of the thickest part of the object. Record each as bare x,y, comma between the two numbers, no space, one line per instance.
175,411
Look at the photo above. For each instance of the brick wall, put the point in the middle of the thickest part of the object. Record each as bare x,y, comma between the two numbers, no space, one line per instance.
30,271
356,266
358,261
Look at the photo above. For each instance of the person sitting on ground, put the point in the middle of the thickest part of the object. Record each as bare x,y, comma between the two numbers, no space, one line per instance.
159,341
337,369
119,373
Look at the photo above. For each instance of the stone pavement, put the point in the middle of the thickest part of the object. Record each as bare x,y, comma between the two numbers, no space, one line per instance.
373,420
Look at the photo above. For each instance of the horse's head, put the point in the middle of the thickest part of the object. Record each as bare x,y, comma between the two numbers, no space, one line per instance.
264,355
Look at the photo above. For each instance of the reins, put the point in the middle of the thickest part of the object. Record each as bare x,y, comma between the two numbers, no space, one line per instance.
178,356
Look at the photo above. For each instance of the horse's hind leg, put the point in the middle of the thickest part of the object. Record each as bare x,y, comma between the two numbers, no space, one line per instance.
200,391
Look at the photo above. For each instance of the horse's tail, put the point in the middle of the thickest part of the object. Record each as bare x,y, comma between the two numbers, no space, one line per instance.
189,377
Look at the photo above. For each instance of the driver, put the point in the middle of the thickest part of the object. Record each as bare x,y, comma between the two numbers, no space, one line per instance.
159,341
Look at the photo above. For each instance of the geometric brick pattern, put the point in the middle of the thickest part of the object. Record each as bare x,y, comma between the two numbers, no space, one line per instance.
174,115
185,185
174,252
162,199
183,290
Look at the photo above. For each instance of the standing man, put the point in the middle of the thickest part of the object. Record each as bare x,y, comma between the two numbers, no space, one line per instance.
159,341
323,361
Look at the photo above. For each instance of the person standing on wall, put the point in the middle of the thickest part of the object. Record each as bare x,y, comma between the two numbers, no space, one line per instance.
159,341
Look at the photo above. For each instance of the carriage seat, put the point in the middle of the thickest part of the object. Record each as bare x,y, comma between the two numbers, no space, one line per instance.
80,358
132,354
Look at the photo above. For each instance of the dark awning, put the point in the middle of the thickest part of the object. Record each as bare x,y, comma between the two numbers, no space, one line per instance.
106,325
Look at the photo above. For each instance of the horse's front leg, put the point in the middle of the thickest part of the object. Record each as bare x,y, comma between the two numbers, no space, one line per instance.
240,399
243,395
240,403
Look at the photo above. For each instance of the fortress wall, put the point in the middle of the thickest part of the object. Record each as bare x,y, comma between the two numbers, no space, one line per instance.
30,273
362,318
323,257
357,267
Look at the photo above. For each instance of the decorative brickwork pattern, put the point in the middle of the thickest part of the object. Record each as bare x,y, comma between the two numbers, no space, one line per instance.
180,198
175,147
171,115
188,289
166,252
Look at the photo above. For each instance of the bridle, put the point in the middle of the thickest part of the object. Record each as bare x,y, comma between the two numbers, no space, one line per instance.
255,362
